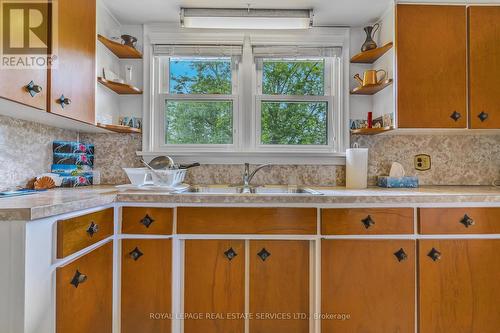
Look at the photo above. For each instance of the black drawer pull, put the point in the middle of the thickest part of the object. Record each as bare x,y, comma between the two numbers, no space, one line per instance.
455,115
92,229
434,254
264,254
78,278
467,221
33,88
368,222
136,254
230,254
147,221
482,116
64,101
401,255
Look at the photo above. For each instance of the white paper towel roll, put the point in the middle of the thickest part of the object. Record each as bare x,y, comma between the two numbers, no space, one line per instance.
356,161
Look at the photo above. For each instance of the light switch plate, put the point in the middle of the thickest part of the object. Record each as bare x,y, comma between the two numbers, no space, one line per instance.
422,162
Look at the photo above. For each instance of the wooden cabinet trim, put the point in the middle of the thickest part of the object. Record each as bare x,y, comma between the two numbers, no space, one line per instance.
147,220
244,220
73,234
367,221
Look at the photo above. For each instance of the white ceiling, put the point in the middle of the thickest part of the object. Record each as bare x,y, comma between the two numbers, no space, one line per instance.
326,12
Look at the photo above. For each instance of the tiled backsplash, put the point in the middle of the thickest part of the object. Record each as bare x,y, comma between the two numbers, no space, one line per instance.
456,159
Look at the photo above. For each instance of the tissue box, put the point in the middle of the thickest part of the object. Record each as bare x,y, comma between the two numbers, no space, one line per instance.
73,159
398,182
75,181
70,170
72,147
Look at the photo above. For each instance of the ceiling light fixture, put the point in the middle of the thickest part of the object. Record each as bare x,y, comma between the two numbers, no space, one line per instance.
213,18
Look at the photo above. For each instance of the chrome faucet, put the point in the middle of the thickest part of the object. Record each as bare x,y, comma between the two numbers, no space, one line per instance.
247,176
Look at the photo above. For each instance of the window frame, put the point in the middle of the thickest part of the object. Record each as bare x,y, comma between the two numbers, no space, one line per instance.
245,150
328,96
163,96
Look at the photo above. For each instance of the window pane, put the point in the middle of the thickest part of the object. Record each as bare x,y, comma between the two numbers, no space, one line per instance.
294,123
293,77
200,76
199,122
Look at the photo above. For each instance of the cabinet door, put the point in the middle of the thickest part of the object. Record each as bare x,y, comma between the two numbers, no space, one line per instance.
84,293
74,76
14,82
484,66
370,282
458,285
146,285
214,285
431,66
279,286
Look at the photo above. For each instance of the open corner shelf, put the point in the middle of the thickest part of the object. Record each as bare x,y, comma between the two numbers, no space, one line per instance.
370,56
371,89
119,128
120,50
371,131
120,88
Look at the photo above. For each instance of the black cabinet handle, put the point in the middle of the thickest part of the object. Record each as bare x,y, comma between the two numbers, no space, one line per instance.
64,101
264,254
368,222
136,254
78,278
467,221
482,116
401,255
33,88
455,115
147,221
434,254
230,254
92,229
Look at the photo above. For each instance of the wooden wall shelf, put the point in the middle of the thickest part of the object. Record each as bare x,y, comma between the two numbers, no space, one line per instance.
371,131
120,50
119,128
369,57
120,88
371,89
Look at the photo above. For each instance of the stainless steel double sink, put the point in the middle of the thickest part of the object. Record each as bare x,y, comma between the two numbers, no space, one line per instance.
263,190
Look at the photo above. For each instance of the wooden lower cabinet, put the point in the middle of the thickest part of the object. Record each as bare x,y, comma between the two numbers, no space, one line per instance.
214,285
458,285
279,286
368,286
146,285
84,293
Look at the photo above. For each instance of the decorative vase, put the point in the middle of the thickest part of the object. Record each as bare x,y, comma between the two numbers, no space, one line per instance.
369,43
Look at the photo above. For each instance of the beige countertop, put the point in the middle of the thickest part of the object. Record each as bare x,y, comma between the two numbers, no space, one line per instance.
60,201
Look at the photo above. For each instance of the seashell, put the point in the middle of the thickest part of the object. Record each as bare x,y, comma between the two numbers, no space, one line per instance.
44,183
31,184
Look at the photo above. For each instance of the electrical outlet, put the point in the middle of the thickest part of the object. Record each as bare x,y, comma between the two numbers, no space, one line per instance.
422,162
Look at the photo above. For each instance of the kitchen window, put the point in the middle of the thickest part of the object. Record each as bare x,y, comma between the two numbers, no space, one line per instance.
240,100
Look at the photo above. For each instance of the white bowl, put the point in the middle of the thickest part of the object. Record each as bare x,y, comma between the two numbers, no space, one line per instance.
137,176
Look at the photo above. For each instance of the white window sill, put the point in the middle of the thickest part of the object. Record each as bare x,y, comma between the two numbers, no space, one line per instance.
303,158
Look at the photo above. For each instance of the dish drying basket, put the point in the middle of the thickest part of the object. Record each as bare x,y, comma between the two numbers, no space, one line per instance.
169,177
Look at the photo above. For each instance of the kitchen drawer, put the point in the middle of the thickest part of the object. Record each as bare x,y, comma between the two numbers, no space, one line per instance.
459,220
367,221
77,233
147,220
232,220
84,293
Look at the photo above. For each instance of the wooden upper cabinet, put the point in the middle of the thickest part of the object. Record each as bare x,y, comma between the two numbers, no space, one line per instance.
214,285
372,282
279,286
84,293
74,75
146,285
458,289
431,66
484,66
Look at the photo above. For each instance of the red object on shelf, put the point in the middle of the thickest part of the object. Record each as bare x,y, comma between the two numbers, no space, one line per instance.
369,121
